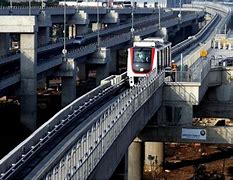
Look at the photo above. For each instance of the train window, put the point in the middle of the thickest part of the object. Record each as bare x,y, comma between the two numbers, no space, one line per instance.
161,60
165,57
169,55
158,56
142,55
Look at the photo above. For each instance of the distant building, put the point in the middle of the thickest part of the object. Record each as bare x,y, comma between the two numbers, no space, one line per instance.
171,3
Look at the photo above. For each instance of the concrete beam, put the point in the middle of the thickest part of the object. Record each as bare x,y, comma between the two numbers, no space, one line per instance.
215,135
214,109
18,24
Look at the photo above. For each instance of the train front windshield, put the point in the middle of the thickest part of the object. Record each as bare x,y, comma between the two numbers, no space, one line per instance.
142,55
141,60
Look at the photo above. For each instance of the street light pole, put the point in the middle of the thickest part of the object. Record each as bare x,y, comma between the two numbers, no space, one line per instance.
159,17
132,20
42,4
98,19
180,11
11,4
29,7
77,5
64,51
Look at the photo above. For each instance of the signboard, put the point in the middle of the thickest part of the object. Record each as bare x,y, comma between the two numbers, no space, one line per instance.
203,53
197,134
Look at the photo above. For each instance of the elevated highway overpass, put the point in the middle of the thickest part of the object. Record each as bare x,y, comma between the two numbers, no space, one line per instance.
111,41
94,149
103,55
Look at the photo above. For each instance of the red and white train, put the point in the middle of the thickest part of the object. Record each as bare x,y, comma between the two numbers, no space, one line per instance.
150,54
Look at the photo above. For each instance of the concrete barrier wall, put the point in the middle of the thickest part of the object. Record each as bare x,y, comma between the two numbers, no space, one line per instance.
181,92
42,132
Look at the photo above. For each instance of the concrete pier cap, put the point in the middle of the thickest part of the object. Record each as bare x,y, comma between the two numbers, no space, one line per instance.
18,24
101,56
111,18
44,20
79,18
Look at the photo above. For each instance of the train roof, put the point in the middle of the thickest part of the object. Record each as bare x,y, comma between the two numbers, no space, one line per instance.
151,43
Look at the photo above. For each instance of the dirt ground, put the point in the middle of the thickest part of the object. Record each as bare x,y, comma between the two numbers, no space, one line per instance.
182,158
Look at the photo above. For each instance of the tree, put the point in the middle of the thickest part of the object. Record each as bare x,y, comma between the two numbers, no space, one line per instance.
155,167
4,3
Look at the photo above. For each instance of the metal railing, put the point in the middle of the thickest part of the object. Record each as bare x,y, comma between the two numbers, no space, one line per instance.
94,139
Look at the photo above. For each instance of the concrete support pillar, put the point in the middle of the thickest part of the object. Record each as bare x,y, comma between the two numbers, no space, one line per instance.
111,17
96,26
103,59
68,90
4,43
44,24
195,28
154,157
229,46
81,20
43,36
162,33
219,45
101,73
72,31
68,72
28,83
82,71
135,161
81,29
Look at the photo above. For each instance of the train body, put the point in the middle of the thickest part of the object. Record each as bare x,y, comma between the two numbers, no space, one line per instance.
150,54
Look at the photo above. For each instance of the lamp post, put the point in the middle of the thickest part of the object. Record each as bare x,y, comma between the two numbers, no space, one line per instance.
98,19
11,5
159,17
76,5
29,7
132,20
42,4
179,15
64,51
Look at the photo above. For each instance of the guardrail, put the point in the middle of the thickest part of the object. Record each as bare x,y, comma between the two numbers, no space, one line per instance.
184,44
25,149
93,140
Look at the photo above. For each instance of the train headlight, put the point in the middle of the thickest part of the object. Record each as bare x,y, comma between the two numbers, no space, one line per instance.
141,69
